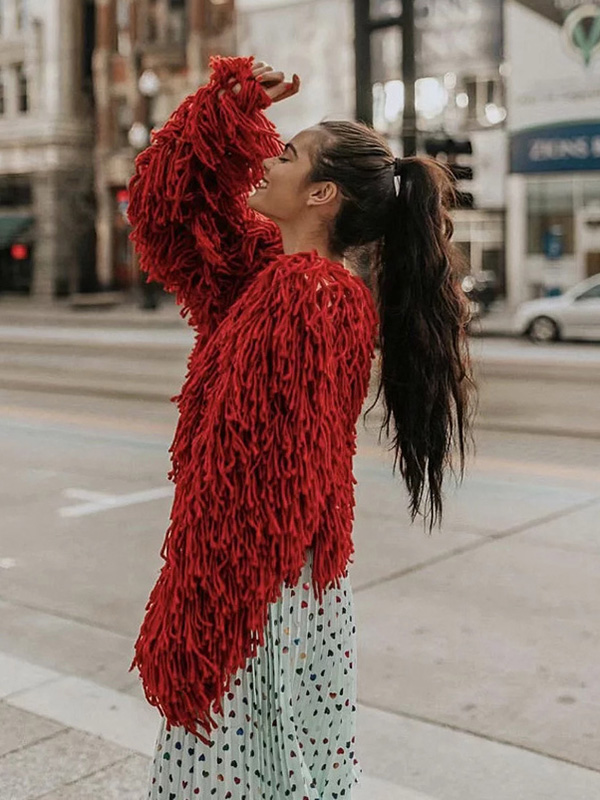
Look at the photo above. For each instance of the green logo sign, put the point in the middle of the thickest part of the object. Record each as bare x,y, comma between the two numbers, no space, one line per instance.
582,31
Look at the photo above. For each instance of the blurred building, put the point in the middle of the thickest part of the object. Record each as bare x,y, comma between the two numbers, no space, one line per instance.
460,99
46,135
313,38
460,88
149,55
553,49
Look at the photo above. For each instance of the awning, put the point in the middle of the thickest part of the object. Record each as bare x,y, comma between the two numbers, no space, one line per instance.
11,227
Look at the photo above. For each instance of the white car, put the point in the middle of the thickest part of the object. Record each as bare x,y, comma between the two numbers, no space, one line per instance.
572,315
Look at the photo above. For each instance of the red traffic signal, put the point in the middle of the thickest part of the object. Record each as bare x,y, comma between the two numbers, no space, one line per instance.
19,252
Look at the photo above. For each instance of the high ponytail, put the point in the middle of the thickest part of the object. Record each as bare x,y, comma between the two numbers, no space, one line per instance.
425,370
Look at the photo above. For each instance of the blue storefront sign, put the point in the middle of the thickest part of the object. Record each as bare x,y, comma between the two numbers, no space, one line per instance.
568,147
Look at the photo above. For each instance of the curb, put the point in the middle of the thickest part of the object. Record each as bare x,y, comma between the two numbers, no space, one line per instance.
116,717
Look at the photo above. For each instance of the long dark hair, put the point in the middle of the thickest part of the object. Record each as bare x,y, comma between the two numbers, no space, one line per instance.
425,368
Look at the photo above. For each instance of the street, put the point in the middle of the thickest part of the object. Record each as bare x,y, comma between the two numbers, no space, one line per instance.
478,647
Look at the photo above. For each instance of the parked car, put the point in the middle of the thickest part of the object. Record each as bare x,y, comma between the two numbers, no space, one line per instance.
572,315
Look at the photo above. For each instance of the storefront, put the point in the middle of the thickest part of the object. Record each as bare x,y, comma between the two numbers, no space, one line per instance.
16,234
554,113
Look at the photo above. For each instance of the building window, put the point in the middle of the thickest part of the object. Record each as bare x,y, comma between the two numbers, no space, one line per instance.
550,213
166,21
482,100
177,21
590,192
20,14
152,22
123,117
123,35
15,190
22,89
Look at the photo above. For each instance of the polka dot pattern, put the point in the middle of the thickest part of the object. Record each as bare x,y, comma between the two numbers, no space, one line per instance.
289,717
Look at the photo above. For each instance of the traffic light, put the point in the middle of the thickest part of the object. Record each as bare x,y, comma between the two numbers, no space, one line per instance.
446,150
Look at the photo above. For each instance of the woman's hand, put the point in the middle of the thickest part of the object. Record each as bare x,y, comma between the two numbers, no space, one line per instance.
273,82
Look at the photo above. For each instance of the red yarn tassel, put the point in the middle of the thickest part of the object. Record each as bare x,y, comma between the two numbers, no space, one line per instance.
192,227
264,452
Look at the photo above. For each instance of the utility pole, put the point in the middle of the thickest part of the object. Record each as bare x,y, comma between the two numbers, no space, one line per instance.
364,26
409,116
362,62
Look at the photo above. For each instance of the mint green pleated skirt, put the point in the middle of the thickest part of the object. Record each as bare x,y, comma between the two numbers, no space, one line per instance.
288,727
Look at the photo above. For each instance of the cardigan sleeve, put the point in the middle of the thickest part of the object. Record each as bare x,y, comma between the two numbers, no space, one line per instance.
270,474
192,228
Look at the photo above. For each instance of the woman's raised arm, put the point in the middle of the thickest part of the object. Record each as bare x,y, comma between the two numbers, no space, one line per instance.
192,228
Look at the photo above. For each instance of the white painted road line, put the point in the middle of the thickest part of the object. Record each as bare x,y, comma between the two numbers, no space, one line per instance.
95,502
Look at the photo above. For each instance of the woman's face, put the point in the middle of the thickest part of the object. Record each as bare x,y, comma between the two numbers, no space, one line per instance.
285,191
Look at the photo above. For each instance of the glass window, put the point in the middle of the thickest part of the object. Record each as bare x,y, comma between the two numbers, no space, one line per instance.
386,55
381,9
590,191
464,257
123,120
15,190
22,89
550,211
177,21
152,21
20,12
590,294
482,100
123,38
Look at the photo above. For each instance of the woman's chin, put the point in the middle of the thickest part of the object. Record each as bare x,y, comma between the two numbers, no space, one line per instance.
253,201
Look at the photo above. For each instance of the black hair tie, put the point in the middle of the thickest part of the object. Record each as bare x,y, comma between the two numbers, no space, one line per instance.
398,166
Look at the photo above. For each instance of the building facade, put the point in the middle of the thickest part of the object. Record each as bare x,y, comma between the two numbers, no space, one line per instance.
312,38
149,55
46,136
553,48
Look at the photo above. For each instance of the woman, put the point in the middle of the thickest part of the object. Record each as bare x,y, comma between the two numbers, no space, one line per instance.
248,643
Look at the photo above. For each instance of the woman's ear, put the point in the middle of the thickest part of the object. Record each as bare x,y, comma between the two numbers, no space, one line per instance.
323,193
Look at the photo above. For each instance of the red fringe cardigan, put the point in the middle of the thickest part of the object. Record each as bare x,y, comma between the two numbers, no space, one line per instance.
262,453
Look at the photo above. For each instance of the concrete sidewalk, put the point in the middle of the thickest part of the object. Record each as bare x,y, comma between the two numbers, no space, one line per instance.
63,737
67,738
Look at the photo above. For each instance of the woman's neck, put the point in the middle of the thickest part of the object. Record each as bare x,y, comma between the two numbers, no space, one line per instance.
304,242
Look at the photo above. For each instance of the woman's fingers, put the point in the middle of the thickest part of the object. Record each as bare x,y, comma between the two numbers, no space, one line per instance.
260,67
282,91
271,78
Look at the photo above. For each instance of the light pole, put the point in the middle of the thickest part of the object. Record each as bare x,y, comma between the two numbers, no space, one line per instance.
148,87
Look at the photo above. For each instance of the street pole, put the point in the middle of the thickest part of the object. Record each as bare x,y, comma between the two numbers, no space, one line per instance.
362,61
364,26
149,291
409,116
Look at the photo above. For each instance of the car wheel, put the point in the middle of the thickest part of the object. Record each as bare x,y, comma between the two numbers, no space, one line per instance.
543,329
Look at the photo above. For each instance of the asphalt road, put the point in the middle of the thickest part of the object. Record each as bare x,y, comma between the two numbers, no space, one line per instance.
478,646
523,387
